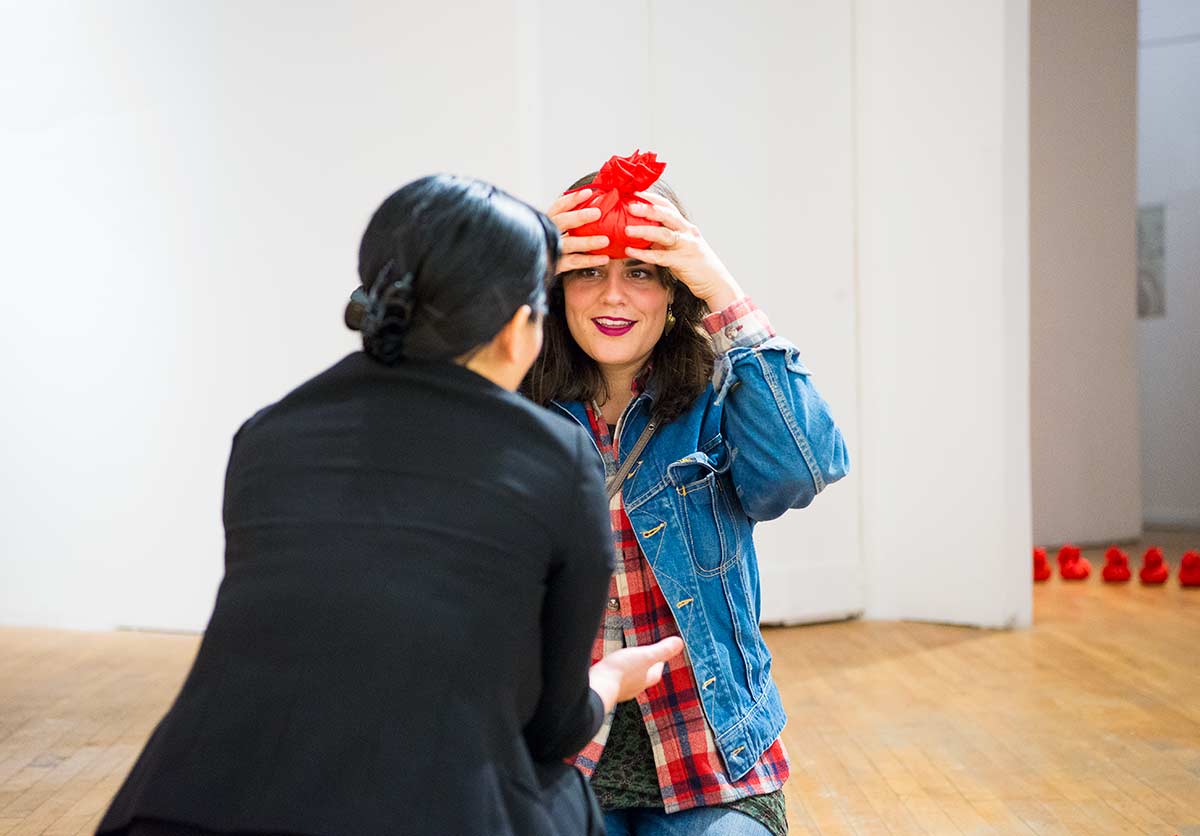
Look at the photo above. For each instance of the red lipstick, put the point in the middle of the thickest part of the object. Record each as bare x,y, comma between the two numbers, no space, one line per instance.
613,326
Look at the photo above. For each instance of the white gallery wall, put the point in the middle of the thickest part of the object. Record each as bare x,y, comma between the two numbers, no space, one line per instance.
1169,175
1083,272
942,242
185,187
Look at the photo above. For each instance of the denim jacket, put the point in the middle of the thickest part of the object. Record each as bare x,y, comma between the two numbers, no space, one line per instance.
758,441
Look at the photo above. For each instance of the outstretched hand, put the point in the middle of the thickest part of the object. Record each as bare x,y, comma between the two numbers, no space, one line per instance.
625,673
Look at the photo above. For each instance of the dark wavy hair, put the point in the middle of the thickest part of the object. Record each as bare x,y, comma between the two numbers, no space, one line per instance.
679,367
444,263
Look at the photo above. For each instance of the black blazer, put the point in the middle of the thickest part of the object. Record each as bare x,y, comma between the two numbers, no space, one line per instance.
416,564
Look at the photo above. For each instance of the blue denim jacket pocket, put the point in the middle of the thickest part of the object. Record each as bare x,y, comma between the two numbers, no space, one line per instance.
705,500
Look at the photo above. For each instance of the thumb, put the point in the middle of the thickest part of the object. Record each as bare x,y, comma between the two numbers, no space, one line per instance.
668,648
654,674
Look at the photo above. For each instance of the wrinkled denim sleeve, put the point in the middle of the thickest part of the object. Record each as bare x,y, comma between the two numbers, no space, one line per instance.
783,442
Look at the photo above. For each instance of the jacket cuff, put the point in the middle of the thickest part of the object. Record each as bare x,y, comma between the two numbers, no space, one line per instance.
740,325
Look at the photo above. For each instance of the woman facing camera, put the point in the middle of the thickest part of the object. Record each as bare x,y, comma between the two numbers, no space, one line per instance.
707,422
416,562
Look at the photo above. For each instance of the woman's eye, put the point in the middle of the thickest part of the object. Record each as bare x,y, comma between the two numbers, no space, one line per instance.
588,273
640,274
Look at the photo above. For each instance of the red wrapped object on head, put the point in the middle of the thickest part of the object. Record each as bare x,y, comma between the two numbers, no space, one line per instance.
616,186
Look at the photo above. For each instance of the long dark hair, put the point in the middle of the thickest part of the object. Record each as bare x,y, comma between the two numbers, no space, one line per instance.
679,367
444,263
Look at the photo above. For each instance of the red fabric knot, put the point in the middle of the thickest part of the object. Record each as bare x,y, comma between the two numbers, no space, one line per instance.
615,188
1154,571
1116,566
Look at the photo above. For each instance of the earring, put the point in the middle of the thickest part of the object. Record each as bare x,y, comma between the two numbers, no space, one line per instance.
670,320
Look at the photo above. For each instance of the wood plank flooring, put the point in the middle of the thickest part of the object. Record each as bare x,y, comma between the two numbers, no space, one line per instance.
1089,723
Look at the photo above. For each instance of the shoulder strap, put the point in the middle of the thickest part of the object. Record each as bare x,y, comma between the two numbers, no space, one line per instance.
618,479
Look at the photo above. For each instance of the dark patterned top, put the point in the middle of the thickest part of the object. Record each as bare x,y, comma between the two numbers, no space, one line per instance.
626,776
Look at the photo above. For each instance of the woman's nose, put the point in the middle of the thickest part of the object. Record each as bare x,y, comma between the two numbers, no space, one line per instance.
614,287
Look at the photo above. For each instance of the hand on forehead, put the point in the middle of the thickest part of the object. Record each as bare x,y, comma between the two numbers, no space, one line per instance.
621,182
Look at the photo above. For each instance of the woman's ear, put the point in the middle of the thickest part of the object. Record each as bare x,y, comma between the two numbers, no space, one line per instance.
513,336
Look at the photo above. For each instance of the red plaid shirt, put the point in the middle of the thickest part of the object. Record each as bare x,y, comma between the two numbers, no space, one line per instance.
690,770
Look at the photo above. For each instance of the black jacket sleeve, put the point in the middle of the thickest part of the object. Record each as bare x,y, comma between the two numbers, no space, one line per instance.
569,713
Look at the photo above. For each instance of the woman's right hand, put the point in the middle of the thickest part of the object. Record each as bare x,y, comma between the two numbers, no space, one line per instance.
625,673
576,253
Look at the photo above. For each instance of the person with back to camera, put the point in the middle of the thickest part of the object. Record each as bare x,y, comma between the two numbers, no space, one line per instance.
707,423
416,563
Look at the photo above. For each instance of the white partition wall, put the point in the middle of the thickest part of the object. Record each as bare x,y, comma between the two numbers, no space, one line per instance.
943,282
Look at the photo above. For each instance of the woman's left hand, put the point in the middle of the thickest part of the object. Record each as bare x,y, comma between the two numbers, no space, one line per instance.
679,246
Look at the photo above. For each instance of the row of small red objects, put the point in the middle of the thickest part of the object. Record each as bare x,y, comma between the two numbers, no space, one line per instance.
1073,566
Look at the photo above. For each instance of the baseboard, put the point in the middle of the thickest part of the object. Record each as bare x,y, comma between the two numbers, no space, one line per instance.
1171,518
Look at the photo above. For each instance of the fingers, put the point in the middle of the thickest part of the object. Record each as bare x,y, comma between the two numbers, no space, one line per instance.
669,647
660,258
568,201
656,198
654,674
577,252
580,261
660,235
663,651
566,221
667,215
583,243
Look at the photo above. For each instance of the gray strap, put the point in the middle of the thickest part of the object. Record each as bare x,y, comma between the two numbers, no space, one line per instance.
618,479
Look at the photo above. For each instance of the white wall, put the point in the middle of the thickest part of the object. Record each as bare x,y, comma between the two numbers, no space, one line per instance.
943,282
1169,173
184,187
200,176
188,179
1085,430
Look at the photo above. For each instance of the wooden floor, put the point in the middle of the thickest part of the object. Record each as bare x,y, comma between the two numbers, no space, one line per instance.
1087,724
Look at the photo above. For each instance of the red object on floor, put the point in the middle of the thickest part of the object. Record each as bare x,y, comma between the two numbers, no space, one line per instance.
1116,566
1041,566
1189,569
1154,571
1067,554
1071,563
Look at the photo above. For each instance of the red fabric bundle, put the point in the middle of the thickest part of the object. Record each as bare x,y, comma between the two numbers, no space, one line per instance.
615,187
1189,569
1072,565
1153,571
1041,566
1116,566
